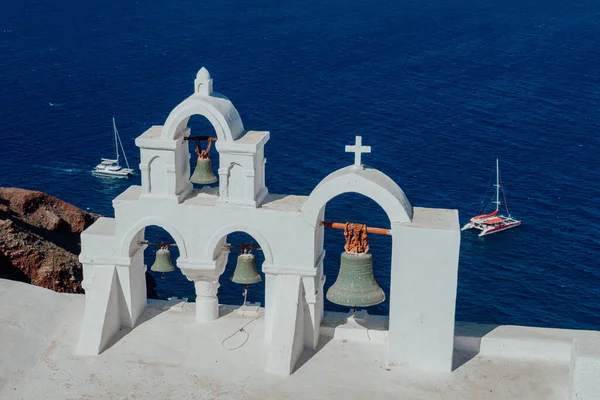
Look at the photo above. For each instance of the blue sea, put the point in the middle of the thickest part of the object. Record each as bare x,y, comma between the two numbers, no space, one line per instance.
438,88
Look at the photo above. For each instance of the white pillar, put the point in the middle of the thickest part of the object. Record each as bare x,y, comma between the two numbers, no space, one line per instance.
270,302
207,303
423,294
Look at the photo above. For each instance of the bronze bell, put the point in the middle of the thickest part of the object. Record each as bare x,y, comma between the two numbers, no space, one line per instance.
355,285
245,271
163,261
203,174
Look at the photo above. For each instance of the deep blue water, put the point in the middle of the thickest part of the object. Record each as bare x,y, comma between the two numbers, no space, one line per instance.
438,88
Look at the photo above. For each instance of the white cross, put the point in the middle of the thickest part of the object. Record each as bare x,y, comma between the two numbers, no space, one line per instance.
358,149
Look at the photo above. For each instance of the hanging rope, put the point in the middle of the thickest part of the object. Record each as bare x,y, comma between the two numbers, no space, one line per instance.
356,238
203,153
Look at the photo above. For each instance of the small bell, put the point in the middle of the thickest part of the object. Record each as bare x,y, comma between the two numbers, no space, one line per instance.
355,285
163,261
203,174
245,271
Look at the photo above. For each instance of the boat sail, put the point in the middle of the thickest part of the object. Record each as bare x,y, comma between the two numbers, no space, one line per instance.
494,222
111,167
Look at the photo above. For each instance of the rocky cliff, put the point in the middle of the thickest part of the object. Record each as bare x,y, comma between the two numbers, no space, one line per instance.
40,240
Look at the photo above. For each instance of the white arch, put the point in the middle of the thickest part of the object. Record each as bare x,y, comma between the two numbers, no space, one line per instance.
369,182
227,229
219,111
144,223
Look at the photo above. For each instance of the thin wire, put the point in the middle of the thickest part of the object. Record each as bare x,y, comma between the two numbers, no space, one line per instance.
504,196
485,194
242,328
239,330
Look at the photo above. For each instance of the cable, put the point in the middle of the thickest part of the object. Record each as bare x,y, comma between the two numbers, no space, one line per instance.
239,330
245,294
485,195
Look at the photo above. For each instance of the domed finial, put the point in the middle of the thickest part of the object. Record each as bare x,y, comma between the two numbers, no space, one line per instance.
203,74
203,83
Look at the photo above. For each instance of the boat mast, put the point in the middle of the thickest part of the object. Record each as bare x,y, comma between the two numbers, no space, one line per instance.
115,135
497,186
121,144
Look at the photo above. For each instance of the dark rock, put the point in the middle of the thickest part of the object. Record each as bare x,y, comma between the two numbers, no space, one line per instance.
40,240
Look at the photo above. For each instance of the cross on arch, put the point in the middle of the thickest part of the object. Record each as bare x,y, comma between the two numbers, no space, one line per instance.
358,149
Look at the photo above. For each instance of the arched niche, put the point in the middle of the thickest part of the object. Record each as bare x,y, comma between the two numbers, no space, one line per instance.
158,176
236,189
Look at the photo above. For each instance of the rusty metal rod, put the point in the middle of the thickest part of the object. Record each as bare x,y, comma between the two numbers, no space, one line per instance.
160,244
201,138
228,246
339,225
243,246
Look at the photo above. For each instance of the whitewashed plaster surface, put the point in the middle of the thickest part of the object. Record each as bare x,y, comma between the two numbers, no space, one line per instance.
425,242
170,355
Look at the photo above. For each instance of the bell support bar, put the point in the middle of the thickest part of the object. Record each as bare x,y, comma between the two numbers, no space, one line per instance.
212,138
227,247
243,246
159,244
338,225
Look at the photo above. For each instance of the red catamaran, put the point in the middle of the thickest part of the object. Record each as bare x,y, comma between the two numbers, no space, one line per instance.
494,222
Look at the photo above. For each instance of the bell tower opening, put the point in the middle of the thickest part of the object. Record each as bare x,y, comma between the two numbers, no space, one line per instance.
243,270
363,211
160,257
204,157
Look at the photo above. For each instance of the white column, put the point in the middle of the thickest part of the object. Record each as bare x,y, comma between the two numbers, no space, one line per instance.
207,303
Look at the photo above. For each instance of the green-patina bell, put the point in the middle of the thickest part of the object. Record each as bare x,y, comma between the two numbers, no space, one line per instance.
162,262
203,174
245,270
355,285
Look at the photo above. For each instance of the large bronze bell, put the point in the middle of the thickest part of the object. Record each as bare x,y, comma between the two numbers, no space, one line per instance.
203,174
355,285
245,271
163,261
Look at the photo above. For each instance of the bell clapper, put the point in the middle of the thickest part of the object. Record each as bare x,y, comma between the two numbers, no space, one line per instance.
245,294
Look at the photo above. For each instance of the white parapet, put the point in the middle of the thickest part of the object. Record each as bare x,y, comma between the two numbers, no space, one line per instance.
584,378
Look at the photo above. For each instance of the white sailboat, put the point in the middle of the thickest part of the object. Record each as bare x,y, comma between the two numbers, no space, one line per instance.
111,167
494,222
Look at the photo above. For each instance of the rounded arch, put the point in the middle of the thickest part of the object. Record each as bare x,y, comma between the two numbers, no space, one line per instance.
219,111
148,221
369,182
211,252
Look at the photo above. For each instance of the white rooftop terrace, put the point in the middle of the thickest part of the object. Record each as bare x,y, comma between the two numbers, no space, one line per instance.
169,355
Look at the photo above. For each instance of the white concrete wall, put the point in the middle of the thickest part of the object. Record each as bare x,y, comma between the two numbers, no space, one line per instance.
423,290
